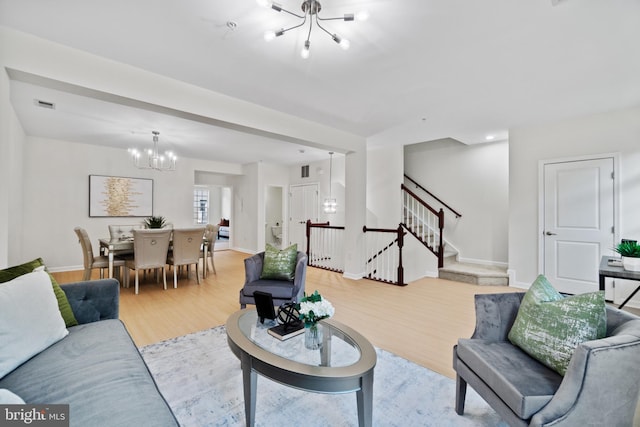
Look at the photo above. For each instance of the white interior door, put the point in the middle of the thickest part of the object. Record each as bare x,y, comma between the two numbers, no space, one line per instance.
303,205
578,222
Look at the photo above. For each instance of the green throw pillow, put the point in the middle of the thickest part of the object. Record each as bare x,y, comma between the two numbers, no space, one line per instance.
279,264
63,303
549,326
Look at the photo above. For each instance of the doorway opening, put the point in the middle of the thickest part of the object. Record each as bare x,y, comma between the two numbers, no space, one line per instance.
274,216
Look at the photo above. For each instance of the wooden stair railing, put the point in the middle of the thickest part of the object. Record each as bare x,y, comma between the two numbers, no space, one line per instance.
424,222
325,246
383,265
458,215
325,243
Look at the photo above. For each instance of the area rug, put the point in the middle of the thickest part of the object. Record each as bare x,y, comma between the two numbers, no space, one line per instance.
201,380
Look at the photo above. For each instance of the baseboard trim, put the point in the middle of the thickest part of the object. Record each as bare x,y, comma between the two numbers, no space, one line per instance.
483,262
513,283
243,250
433,274
65,268
353,276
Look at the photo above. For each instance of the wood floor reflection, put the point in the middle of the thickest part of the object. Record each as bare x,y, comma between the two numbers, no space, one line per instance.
420,322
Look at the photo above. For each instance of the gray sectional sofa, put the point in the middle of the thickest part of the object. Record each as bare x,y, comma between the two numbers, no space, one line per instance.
96,369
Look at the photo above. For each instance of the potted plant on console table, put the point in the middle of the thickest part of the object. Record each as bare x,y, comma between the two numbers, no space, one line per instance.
630,252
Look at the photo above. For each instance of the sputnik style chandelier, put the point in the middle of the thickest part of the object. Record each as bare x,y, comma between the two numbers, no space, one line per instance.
152,159
330,204
311,9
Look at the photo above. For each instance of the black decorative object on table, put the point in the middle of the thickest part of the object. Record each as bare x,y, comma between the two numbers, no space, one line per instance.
289,315
264,305
289,323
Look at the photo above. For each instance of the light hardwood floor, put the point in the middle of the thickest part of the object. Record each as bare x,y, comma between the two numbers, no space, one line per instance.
420,322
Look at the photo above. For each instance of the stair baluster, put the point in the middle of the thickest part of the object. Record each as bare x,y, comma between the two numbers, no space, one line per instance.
424,222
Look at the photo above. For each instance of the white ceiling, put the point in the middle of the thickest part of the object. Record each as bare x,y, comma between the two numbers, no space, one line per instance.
417,70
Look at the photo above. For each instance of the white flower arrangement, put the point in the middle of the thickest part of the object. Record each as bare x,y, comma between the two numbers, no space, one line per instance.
314,308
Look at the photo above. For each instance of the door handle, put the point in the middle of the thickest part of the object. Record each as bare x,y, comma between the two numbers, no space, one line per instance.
548,233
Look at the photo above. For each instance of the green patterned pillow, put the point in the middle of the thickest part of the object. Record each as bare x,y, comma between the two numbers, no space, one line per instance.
549,326
279,264
63,303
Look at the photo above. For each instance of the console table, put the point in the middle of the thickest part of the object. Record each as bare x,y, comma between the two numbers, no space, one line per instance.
616,272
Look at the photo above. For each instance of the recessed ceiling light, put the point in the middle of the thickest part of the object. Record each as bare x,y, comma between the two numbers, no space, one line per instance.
489,137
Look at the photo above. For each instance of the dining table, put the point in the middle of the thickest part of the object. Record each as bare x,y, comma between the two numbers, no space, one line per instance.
125,246
115,247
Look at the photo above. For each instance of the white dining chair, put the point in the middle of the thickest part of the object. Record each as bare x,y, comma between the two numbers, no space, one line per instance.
210,235
150,248
90,261
186,250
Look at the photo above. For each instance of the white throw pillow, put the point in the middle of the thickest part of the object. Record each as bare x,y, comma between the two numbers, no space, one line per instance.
30,320
9,398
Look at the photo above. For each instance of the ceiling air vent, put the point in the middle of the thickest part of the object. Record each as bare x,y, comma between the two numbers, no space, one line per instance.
45,104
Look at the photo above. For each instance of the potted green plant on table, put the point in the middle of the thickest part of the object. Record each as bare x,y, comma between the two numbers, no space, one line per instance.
630,252
155,222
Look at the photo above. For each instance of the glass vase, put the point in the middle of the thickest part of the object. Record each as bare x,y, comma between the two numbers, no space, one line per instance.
313,336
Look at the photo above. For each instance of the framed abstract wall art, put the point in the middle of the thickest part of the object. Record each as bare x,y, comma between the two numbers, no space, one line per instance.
116,196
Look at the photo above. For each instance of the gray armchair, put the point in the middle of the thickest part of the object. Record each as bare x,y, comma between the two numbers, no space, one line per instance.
600,386
281,290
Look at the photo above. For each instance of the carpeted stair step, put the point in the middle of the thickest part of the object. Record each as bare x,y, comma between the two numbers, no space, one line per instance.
450,256
475,274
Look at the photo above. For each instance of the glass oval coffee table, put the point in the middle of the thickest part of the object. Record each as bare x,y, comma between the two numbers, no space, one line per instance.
343,364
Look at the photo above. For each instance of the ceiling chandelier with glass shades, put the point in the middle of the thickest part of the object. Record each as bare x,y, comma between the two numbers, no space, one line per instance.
152,159
311,10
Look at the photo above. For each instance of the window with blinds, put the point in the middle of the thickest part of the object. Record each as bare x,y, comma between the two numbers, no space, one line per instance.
200,206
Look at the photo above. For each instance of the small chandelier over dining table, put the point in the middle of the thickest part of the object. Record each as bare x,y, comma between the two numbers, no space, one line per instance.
152,159
311,9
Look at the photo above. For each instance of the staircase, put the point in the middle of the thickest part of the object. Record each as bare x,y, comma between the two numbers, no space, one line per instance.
427,225
476,274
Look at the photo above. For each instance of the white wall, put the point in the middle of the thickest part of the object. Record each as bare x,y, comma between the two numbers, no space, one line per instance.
613,132
11,142
225,202
56,196
244,224
215,205
385,171
355,215
473,180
